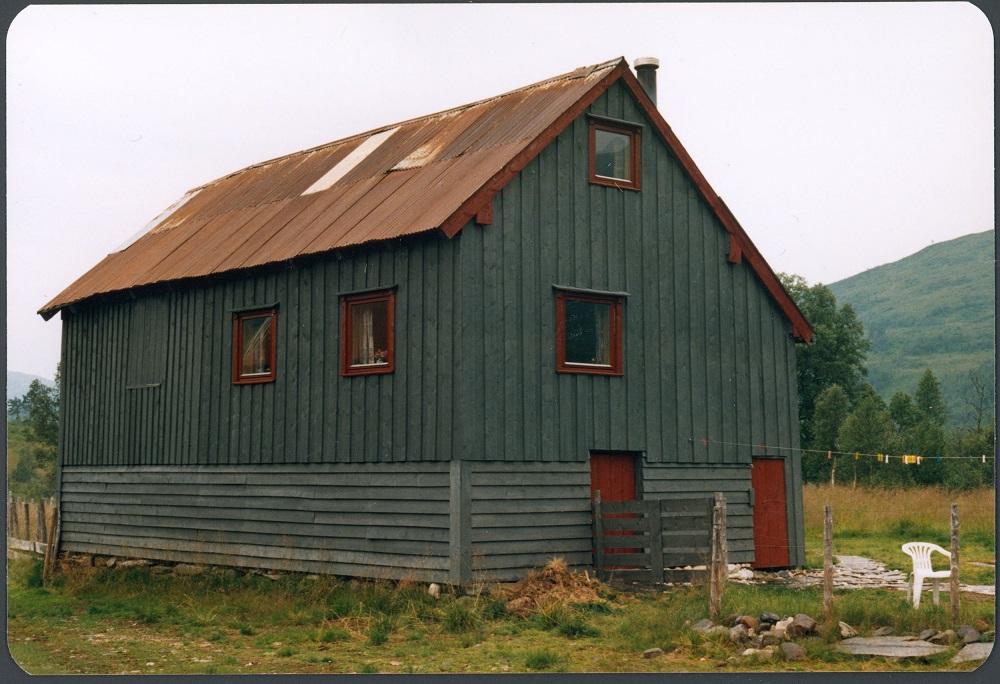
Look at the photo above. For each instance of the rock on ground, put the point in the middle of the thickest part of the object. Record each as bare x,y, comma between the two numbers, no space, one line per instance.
972,652
801,625
188,569
748,621
948,636
889,646
968,634
846,631
652,652
927,634
883,632
702,625
792,651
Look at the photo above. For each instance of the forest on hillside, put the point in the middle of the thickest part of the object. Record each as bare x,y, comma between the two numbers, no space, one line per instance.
851,434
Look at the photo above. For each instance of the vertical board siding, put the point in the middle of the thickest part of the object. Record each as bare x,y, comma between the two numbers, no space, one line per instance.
707,372
699,483
149,380
524,514
368,520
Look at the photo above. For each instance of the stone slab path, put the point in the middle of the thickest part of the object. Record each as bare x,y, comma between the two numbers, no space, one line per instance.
970,652
890,647
857,572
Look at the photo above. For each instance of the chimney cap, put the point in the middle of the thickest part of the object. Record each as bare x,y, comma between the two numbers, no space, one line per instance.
646,61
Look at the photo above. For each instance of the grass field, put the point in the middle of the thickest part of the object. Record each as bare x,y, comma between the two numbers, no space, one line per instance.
96,620
876,522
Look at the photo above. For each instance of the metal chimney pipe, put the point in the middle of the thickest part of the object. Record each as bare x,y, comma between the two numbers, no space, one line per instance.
645,71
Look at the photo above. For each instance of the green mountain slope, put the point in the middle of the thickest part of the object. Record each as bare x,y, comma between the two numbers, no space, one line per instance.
933,309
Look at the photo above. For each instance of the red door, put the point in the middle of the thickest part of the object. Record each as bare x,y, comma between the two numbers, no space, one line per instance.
770,521
614,476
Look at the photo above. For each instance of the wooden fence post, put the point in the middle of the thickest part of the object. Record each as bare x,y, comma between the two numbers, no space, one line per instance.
24,518
48,562
598,536
654,525
828,562
953,588
719,566
42,535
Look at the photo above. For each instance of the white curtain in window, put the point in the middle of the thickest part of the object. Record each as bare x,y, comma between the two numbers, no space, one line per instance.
364,335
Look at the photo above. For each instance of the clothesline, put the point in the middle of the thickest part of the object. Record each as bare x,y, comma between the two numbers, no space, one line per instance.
881,457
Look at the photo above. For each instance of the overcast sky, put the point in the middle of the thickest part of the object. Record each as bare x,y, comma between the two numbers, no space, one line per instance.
843,136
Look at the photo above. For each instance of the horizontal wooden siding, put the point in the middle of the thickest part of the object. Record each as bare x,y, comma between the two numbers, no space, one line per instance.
524,514
365,520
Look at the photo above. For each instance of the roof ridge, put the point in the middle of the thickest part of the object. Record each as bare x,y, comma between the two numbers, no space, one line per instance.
579,72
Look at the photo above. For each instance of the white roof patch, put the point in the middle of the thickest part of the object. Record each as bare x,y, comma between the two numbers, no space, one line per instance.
163,216
341,168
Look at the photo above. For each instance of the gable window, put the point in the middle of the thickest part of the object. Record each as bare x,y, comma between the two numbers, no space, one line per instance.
255,350
614,155
589,333
367,333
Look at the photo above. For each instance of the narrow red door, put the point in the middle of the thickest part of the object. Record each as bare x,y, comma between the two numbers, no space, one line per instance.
614,476
770,521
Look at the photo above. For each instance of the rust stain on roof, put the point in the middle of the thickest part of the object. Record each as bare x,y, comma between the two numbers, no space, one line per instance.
409,183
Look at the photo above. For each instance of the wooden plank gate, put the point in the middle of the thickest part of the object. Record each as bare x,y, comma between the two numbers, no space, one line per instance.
635,541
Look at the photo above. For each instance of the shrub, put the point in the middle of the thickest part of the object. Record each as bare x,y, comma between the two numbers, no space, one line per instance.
335,634
459,617
569,623
33,578
541,659
380,630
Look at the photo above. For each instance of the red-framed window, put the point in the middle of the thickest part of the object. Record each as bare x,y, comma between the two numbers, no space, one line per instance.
614,155
368,322
255,346
589,333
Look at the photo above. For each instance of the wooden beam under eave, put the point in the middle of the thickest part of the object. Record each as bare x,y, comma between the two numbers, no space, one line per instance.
735,251
484,216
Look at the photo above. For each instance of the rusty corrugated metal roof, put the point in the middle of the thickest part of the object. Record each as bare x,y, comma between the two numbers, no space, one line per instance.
432,172
411,182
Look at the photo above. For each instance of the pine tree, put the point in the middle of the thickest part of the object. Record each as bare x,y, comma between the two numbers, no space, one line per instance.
928,400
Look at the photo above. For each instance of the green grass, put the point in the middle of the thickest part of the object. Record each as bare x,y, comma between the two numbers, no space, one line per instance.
106,621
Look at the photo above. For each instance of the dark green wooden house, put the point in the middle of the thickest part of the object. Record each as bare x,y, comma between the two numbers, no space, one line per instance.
416,351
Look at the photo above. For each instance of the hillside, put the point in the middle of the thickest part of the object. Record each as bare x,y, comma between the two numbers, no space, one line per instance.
17,383
933,309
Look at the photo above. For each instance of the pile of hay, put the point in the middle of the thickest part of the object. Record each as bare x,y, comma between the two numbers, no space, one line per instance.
554,583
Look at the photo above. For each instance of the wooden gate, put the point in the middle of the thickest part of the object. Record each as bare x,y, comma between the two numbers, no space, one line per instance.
661,533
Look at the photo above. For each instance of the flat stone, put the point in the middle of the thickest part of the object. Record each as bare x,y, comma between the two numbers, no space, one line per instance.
847,632
772,638
792,651
768,618
133,563
972,636
889,646
652,652
972,652
883,632
927,634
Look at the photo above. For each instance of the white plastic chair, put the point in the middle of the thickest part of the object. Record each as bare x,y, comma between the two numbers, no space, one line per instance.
920,552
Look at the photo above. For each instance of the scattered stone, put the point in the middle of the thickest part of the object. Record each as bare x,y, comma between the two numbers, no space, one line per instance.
762,653
434,589
189,570
783,624
110,562
792,651
134,563
717,631
652,653
800,626
738,634
85,559
846,631
771,638
972,652
883,631
702,625
743,574
768,618
948,636
889,647
749,621
927,634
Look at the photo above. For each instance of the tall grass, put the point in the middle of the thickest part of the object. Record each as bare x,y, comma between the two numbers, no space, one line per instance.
915,511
